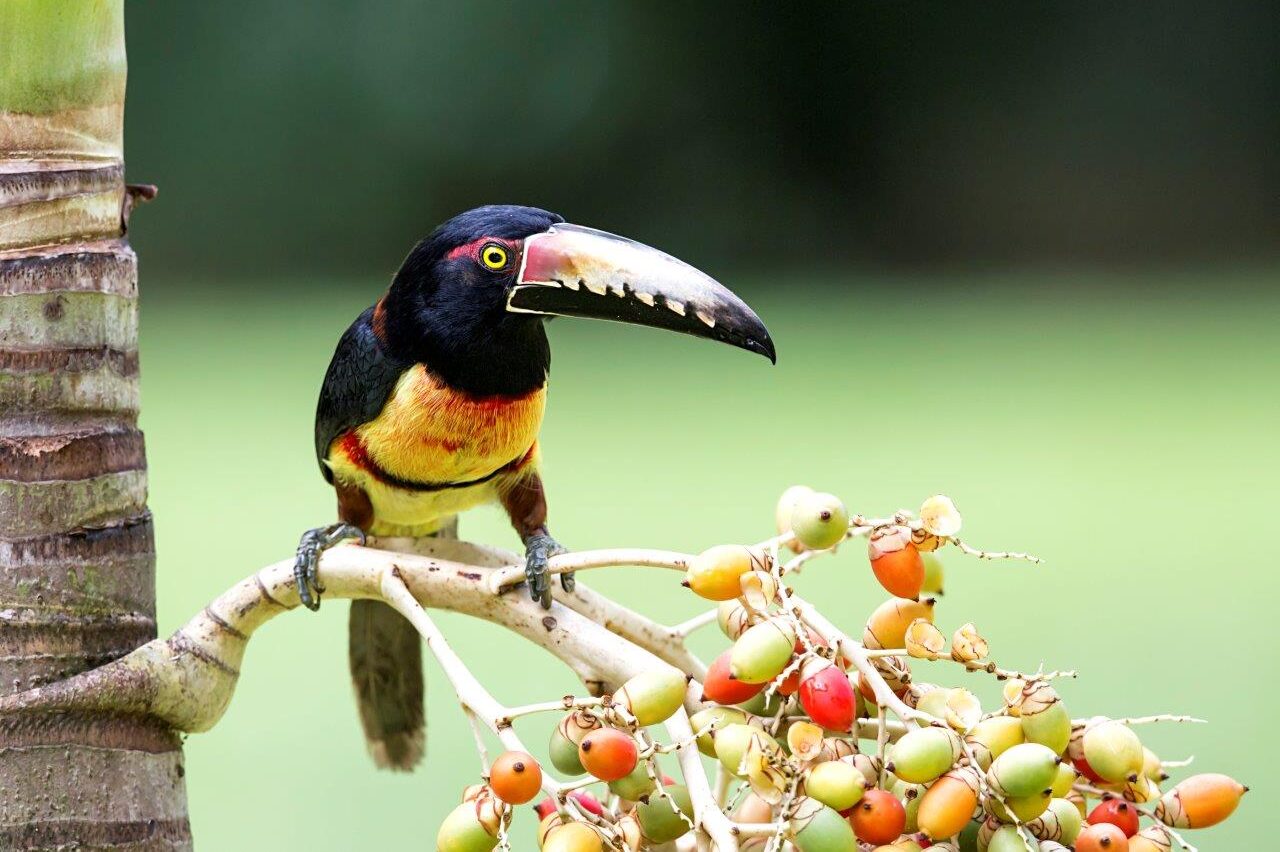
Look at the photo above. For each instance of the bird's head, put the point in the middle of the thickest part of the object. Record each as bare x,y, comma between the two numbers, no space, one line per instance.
489,275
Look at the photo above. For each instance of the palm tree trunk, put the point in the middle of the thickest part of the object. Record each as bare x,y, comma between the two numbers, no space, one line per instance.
77,563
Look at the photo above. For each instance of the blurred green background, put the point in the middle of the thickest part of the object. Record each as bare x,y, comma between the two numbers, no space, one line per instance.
1025,256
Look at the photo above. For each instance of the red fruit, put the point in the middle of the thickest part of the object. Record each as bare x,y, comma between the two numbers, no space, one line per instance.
584,799
718,687
1103,837
901,572
789,684
515,777
608,754
878,818
1082,766
829,699
1117,812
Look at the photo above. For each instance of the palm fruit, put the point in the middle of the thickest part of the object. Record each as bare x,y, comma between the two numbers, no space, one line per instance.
515,777
608,754
732,744
933,570
1061,821
1152,767
763,651
1064,780
868,764
1044,718
786,505
819,520
635,785
1024,770
826,694
1006,839
717,686
896,562
947,806
565,738
1153,838
887,625
836,784
572,837
660,822
1200,801
1119,813
653,696
817,828
1019,808
1113,751
714,573
721,717
878,818
992,737
923,754
1103,837
470,827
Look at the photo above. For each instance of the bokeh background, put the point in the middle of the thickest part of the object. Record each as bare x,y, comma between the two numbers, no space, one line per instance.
1024,254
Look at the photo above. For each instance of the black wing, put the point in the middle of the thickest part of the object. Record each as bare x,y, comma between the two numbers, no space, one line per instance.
360,378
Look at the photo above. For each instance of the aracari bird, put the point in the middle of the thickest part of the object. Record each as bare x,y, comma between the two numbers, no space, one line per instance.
434,398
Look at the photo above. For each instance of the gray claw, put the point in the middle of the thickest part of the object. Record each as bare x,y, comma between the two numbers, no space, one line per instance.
538,549
310,546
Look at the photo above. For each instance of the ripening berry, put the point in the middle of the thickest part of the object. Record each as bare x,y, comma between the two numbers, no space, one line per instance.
659,822
827,695
635,785
515,777
1024,770
470,827
1200,801
933,571
1006,839
763,651
992,737
879,818
1113,751
722,717
947,806
717,686
887,625
819,521
1061,821
1045,719
654,695
786,505
563,753
923,754
836,784
733,742
817,828
572,837
714,573
1119,813
896,562
1103,837
1064,780
608,754
1153,838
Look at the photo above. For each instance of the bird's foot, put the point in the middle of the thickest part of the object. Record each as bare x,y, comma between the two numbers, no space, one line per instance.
538,548
310,546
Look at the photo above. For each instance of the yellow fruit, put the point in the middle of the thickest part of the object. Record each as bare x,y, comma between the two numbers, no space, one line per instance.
1113,751
714,573
888,623
1200,801
654,695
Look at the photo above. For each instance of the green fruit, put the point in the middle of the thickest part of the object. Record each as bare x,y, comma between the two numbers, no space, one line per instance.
722,717
1006,839
1113,750
1020,808
564,754
1067,818
732,744
836,784
635,785
659,822
1065,778
924,754
762,652
1024,770
992,737
762,706
462,831
653,696
932,574
819,520
817,828
1051,727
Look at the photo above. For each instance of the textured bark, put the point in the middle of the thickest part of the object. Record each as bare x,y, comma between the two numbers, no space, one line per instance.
77,566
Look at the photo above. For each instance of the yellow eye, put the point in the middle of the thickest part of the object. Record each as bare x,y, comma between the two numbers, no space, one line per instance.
493,256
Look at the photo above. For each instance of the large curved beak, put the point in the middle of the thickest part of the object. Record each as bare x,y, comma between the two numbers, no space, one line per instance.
570,270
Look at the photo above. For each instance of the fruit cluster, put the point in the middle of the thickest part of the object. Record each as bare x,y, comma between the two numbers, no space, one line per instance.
823,743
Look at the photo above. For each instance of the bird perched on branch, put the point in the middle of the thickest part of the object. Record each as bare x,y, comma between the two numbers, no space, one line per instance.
434,398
